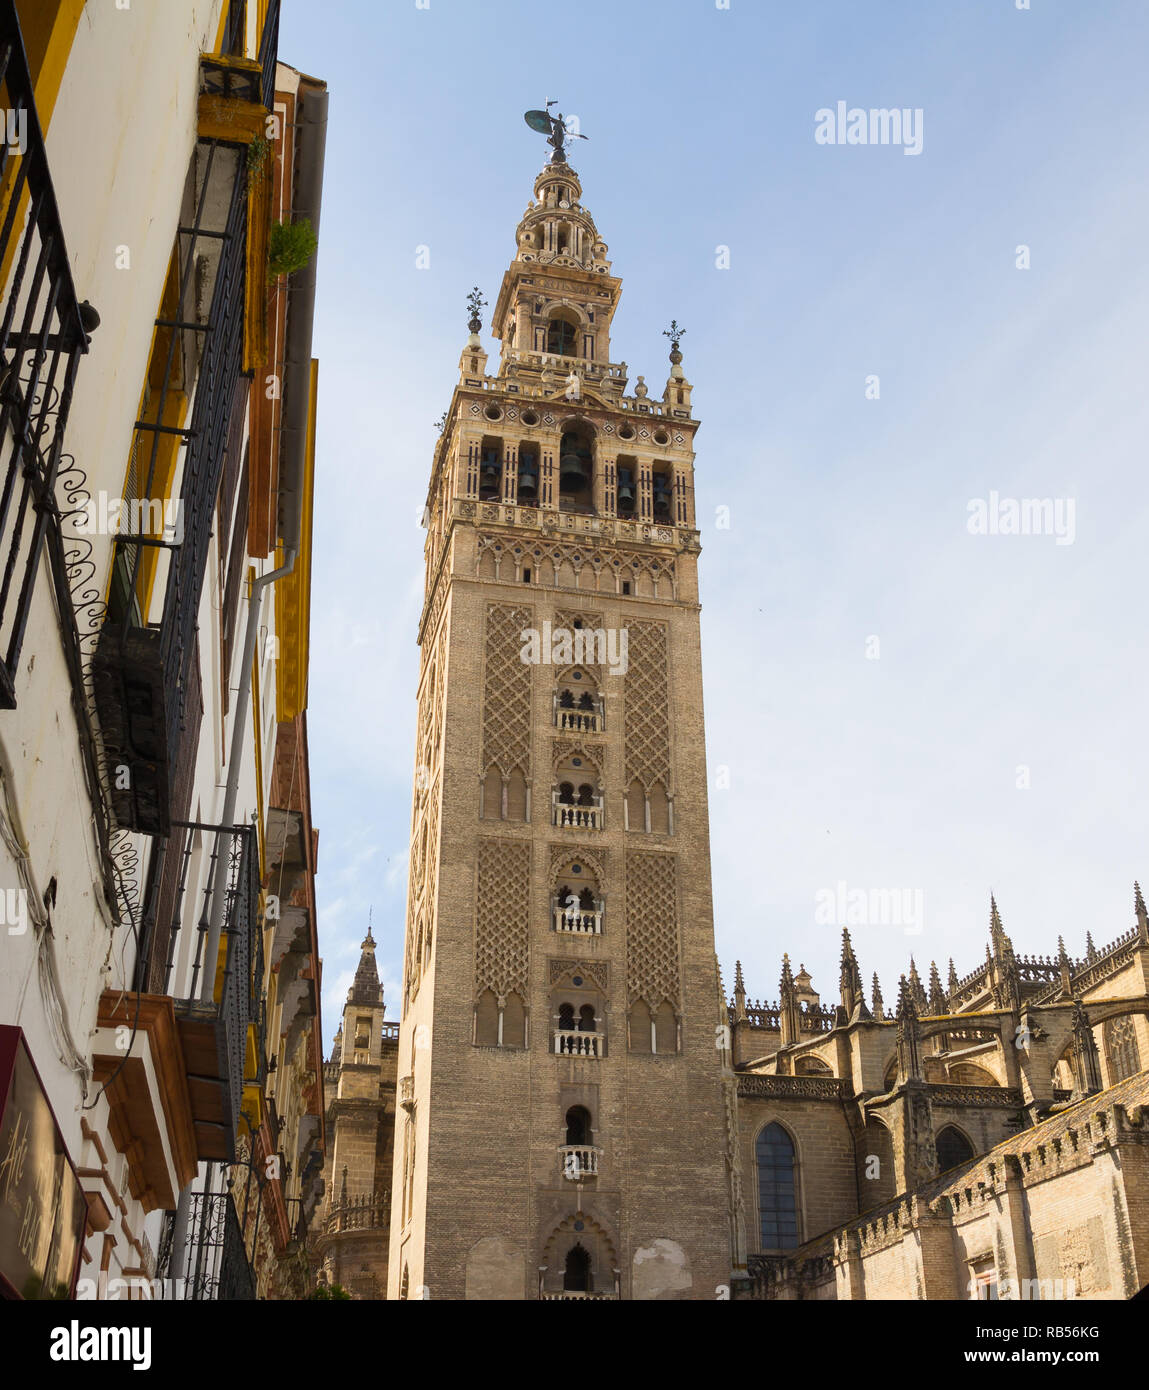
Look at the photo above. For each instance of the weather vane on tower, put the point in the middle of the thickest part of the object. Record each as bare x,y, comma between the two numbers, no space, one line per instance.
554,128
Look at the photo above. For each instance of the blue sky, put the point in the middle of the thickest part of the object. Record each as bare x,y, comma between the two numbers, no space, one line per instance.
848,515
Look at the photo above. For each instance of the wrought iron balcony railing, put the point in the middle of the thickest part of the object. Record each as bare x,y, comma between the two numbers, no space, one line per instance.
218,1267
217,1014
42,337
142,668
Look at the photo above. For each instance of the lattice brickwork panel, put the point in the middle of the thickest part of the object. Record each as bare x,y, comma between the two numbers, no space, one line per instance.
647,705
424,862
502,917
652,969
506,692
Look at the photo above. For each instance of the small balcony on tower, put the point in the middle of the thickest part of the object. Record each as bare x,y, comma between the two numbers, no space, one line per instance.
579,915
577,1033
580,808
581,714
579,1161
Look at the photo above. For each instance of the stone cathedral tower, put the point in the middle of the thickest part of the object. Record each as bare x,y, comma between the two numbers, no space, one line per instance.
565,1127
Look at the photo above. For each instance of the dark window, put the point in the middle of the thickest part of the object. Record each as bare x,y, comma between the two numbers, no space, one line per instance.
576,1274
578,1125
777,1189
586,1019
561,337
953,1148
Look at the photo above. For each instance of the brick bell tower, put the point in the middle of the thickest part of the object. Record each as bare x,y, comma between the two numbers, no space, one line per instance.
566,1124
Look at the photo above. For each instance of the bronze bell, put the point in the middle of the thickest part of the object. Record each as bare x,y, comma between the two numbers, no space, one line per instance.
572,471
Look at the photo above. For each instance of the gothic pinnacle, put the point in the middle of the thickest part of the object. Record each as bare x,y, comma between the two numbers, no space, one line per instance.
906,1006
952,978
937,994
879,1005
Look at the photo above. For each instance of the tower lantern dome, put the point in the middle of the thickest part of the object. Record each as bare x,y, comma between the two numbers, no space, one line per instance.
556,229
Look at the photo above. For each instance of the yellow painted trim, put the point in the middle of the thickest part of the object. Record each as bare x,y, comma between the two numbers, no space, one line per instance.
229,119
222,30
256,287
257,727
293,592
175,414
48,31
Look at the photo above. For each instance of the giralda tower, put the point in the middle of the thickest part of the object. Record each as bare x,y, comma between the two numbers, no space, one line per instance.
564,1127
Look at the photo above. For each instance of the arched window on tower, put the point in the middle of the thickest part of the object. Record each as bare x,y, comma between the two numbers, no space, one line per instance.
576,471
528,473
490,470
777,1189
576,1272
953,1148
578,1125
561,336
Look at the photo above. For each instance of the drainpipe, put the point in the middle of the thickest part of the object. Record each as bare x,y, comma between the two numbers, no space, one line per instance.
310,135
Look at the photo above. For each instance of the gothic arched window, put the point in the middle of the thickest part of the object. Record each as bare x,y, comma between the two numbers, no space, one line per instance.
1121,1050
953,1148
777,1189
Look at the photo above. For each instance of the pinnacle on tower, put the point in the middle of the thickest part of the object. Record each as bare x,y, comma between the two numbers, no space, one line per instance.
1086,1060
937,994
909,1055
1090,949
739,992
1142,916
366,989
850,979
952,978
788,1015
906,1007
879,1003
921,1002
1002,945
